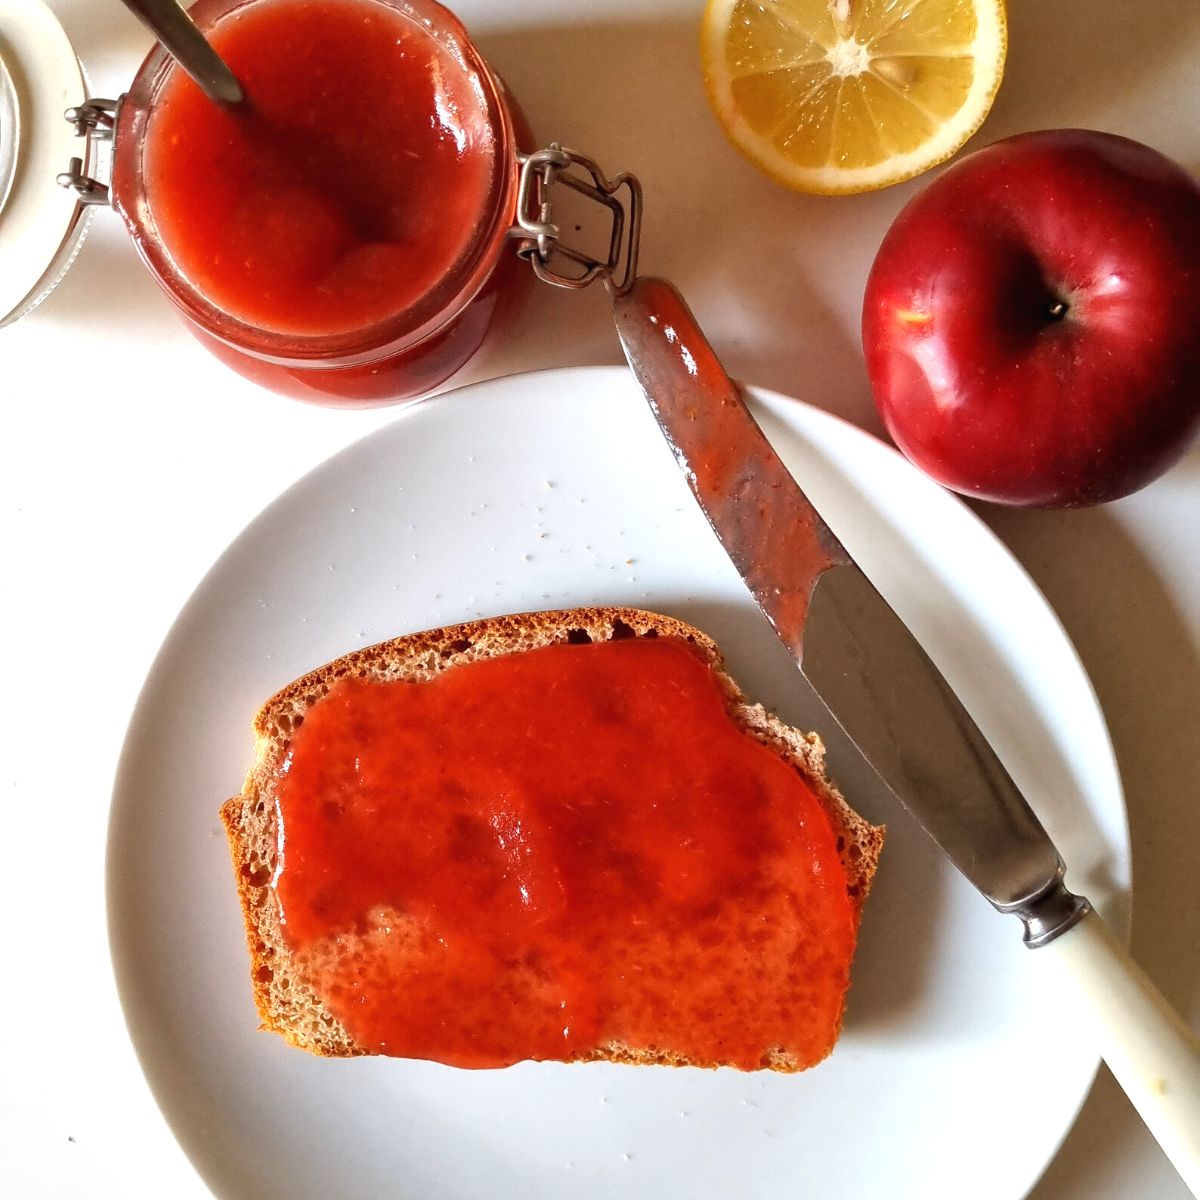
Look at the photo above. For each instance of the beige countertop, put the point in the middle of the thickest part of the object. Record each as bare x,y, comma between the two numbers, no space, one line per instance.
106,531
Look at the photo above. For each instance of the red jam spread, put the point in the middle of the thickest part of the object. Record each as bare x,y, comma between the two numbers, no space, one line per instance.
778,542
535,855
349,185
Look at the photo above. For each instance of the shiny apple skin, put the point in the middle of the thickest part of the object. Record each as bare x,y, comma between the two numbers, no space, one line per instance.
1031,323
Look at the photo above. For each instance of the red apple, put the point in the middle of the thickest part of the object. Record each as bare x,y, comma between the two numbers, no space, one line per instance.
1032,320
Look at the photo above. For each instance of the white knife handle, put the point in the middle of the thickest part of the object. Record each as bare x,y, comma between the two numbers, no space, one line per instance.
1153,1054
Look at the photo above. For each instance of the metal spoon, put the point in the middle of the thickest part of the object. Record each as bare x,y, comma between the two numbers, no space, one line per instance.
189,47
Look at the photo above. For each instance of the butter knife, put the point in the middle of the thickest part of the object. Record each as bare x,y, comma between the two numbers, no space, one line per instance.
883,690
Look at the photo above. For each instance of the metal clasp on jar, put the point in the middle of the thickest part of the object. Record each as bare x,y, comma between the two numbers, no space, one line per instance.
556,261
88,175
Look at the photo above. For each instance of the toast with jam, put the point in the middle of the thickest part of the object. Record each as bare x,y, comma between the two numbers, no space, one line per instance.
562,836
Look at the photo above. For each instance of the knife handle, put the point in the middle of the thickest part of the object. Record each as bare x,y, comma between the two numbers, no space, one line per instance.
1148,1047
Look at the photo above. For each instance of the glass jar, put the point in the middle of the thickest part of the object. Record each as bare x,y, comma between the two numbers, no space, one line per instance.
435,318
416,346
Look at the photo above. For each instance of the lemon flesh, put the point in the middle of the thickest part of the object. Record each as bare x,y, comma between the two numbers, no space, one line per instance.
850,95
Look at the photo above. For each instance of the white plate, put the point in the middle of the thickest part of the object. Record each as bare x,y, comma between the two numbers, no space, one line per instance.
553,490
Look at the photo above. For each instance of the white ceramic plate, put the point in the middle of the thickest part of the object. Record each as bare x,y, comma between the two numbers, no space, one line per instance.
953,1076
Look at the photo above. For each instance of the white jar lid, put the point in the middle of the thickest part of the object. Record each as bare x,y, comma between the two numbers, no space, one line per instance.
41,223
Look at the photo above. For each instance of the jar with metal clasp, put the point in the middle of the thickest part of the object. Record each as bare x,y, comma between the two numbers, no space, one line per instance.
351,232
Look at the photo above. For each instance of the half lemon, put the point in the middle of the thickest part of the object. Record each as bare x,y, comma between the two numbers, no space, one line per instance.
836,96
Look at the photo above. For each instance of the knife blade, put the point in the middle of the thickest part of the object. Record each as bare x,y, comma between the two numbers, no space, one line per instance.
860,658
881,687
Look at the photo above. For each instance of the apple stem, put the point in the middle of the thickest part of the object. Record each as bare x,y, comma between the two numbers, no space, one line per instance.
1058,309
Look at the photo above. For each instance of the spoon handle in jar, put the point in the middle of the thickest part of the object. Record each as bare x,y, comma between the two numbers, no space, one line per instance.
189,47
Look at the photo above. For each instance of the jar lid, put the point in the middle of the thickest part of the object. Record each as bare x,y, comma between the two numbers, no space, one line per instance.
41,223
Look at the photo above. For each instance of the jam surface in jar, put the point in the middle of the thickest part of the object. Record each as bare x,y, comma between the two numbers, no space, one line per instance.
347,188
535,855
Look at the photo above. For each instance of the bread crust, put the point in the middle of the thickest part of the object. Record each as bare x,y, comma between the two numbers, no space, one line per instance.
287,1004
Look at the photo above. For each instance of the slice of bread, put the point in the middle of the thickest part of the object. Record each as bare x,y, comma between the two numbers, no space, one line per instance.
286,998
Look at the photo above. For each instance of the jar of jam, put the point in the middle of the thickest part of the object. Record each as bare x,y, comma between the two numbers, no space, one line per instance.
350,232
